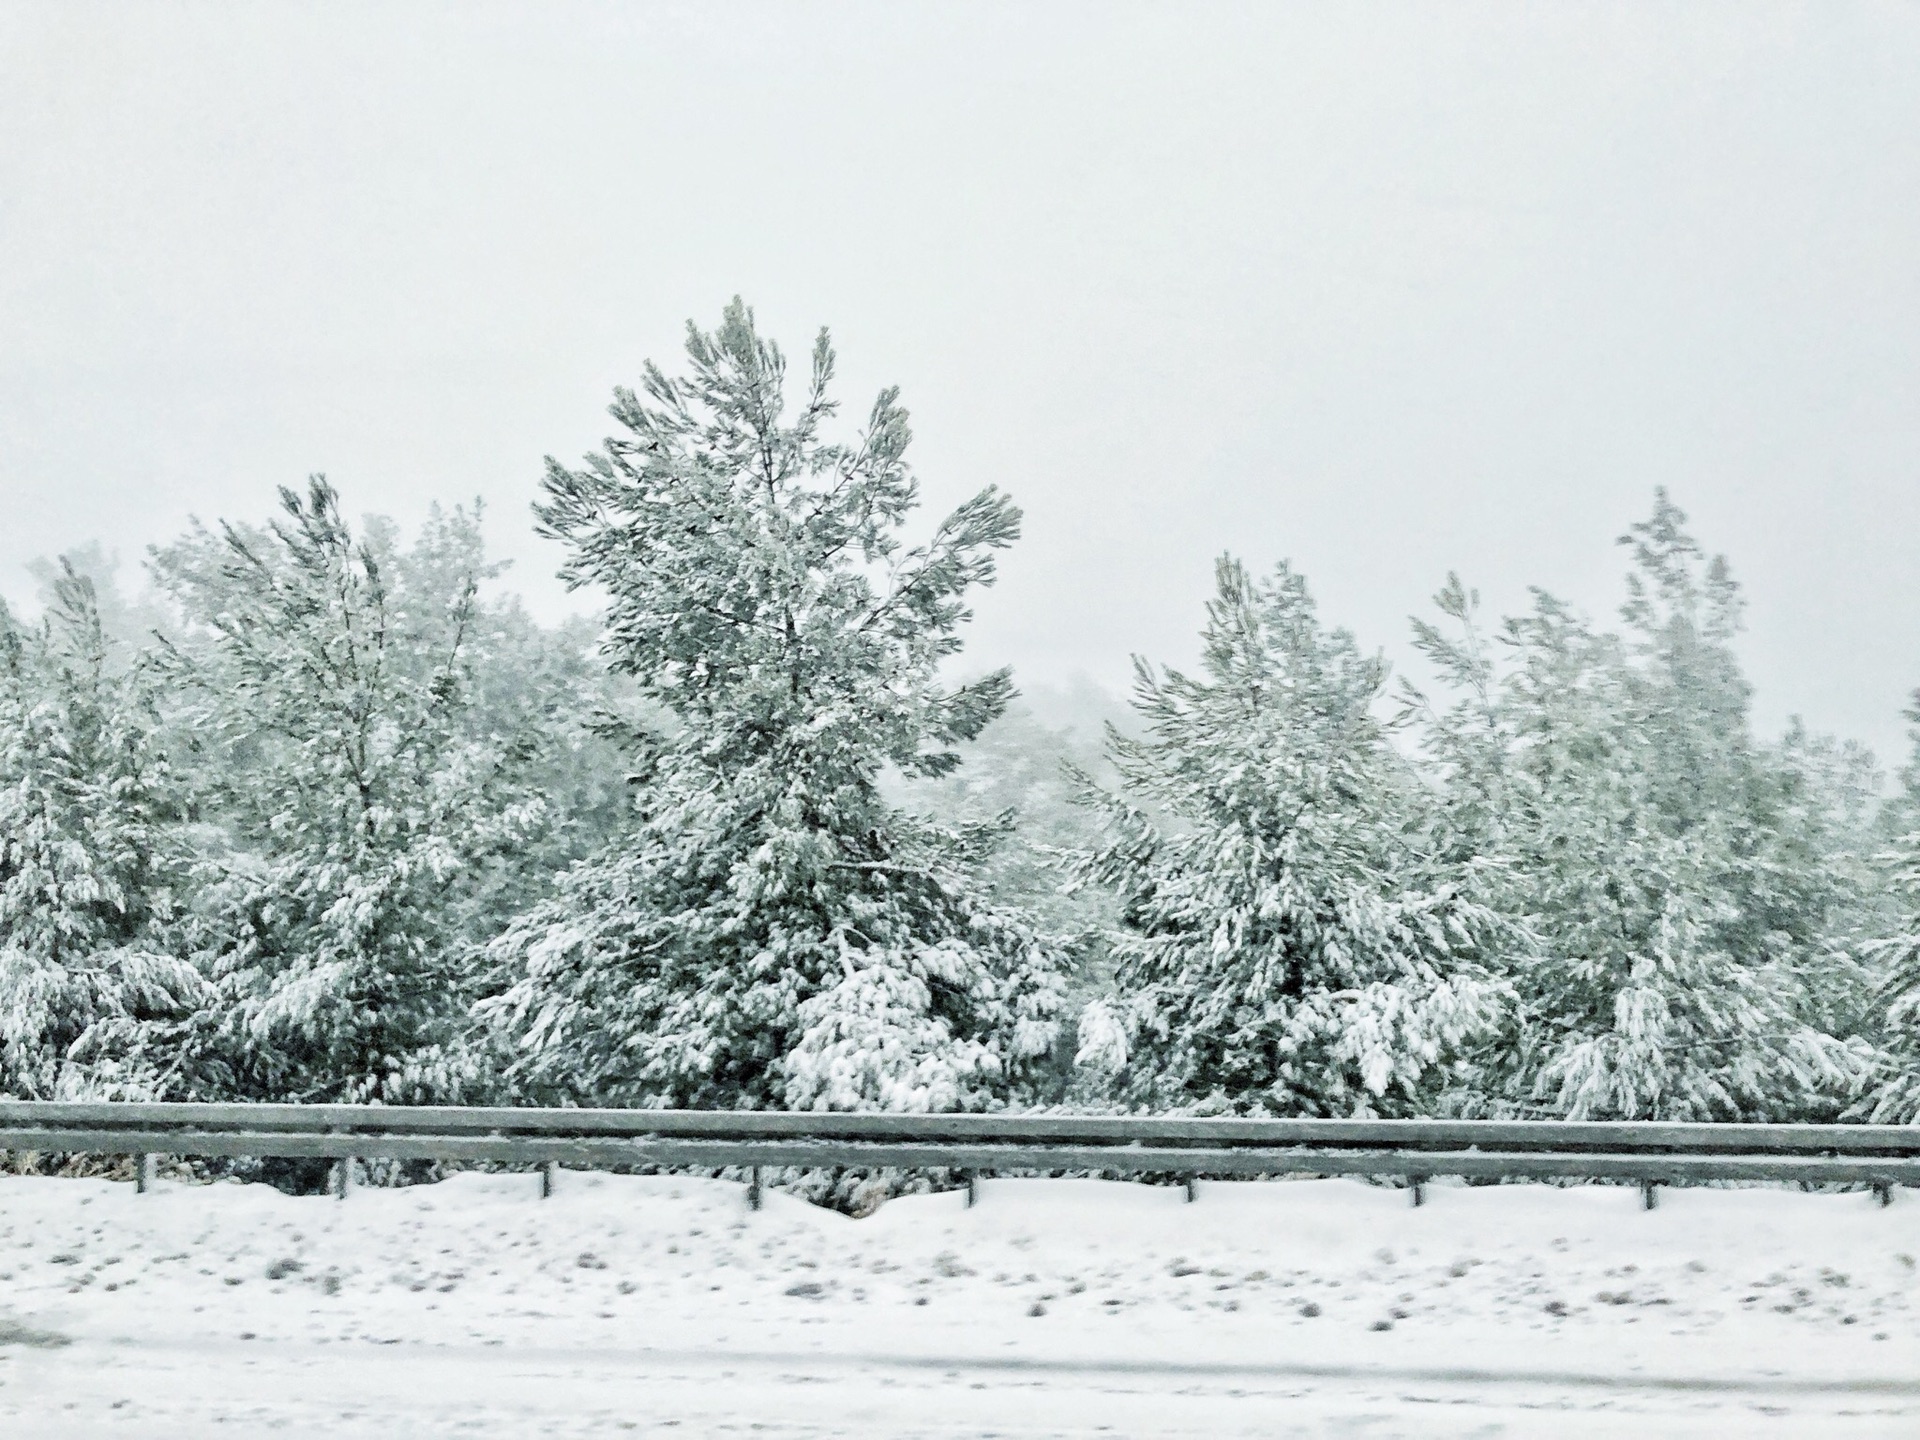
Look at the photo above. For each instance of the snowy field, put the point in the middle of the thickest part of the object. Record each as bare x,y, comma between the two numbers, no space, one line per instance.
663,1305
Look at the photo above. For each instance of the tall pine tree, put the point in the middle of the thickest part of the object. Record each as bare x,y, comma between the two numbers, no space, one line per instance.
773,933
1683,884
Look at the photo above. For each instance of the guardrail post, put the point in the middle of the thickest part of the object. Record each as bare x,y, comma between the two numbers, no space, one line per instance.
756,1191
1649,1194
973,1189
1884,1193
1417,1190
142,1174
1193,1189
345,1176
547,1173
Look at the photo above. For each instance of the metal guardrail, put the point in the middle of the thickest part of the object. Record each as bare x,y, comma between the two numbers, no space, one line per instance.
1646,1152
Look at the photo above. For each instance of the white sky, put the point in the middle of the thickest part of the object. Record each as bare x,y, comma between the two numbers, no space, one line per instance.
1385,289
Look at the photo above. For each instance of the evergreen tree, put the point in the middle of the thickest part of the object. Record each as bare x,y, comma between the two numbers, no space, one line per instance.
128,624
90,860
1826,815
772,932
1685,887
1291,942
361,820
1896,1096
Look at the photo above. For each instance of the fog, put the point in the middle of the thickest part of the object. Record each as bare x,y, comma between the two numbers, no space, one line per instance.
1386,290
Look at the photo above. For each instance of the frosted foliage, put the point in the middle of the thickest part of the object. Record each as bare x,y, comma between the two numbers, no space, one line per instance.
1288,944
1684,886
870,1043
358,817
1897,1097
87,864
1102,1037
1894,950
351,831
772,932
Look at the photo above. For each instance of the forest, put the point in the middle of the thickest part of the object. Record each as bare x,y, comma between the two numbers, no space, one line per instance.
317,812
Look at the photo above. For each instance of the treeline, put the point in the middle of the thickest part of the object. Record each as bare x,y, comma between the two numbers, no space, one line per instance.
329,822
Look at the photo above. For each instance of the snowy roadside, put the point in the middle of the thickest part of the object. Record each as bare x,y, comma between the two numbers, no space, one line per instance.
1053,1307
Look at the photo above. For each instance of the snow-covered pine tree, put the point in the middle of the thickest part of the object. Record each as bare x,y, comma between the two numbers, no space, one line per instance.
1683,884
90,861
1290,942
1896,954
774,934
1824,814
128,622
359,819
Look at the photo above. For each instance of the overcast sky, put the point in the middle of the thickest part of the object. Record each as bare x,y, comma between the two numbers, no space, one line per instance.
1387,290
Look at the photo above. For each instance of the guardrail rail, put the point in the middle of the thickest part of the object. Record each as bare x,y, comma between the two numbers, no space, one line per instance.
1649,1153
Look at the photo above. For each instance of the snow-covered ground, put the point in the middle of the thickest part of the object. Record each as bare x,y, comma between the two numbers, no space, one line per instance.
1054,1307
